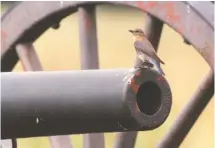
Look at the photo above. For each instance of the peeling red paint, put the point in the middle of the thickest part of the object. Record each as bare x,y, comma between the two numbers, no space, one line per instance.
146,5
159,78
140,4
3,34
151,4
172,16
170,6
87,20
88,23
170,13
138,74
180,29
134,86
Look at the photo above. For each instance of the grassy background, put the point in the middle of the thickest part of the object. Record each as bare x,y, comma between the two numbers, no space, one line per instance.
59,50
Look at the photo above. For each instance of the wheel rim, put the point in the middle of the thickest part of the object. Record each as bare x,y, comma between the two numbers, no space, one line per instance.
51,12
175,17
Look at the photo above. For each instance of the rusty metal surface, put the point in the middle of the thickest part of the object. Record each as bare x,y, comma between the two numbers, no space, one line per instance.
153,30
46,104
185,17
189,114
89,59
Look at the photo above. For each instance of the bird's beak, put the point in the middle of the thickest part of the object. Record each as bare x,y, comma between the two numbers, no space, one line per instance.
130,31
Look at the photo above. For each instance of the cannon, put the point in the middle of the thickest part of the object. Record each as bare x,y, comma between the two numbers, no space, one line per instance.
89,101
17,43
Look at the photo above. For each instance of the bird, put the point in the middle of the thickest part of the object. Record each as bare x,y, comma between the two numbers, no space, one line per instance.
145,51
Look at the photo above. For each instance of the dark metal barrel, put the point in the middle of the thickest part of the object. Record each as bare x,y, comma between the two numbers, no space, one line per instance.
83,101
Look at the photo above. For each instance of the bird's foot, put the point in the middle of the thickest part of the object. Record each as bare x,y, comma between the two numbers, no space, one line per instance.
147,64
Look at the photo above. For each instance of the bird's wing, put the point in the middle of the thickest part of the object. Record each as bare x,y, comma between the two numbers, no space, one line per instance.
144,46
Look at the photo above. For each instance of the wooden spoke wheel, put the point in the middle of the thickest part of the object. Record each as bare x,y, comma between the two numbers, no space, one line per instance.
19,33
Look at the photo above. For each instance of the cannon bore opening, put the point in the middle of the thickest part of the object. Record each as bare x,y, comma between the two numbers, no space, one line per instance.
149,98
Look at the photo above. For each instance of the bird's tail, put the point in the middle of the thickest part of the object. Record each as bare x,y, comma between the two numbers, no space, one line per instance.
159,59
157,66
160,70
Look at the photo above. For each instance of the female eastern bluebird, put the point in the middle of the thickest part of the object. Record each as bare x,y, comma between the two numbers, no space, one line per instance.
144,49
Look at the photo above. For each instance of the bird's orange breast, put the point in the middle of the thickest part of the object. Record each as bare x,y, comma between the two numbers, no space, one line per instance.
139,38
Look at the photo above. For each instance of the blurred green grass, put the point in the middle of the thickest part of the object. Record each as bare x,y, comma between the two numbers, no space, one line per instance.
59,50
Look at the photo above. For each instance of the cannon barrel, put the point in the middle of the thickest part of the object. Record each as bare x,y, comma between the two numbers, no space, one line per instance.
83,101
